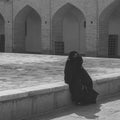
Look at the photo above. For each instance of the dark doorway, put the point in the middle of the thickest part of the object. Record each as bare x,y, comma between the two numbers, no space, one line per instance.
59,47
112,45
2,43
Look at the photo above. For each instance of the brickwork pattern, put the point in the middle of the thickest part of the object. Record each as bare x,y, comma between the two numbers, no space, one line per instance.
92,11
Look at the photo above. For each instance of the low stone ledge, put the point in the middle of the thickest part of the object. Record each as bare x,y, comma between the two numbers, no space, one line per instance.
52,87
32,91
12,94
107,86
27,102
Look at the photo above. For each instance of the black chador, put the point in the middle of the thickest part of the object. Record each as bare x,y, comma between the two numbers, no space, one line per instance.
79,81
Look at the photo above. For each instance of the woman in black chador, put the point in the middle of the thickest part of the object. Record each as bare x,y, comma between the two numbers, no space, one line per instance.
79,81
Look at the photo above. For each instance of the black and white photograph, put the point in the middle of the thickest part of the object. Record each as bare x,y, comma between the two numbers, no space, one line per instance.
59,59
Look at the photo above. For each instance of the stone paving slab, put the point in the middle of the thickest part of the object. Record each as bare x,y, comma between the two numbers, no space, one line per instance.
26,70
107,109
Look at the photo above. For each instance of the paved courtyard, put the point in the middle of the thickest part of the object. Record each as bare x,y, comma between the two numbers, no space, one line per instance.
26,70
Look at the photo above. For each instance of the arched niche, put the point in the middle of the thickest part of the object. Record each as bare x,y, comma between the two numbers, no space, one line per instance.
27,31
109,31
68,30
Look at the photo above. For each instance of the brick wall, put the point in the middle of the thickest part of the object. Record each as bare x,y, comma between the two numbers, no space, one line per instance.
96,31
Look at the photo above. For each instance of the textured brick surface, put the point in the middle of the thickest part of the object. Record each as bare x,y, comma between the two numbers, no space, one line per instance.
92,10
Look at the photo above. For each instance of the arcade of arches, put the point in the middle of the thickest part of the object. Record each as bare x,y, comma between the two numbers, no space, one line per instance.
67,29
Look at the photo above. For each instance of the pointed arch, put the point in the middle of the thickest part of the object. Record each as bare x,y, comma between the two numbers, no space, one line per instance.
27,31
106,18
65,39
106,12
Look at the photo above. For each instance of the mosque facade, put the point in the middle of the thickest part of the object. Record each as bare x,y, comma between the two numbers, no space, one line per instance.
91,27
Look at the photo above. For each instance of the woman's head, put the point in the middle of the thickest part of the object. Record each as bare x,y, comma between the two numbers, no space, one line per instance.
72,55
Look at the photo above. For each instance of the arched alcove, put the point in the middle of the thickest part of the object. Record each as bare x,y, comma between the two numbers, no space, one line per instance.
109,31
68,30
27,31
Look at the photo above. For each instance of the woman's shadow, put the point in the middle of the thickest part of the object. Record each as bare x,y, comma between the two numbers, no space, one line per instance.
88,111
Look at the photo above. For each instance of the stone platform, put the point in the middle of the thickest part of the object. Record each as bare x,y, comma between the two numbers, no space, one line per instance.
23,100
27,103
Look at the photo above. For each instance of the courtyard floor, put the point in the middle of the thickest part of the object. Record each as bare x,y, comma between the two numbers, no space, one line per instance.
26,70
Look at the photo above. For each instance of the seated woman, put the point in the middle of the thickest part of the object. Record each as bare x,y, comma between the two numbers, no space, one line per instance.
79,81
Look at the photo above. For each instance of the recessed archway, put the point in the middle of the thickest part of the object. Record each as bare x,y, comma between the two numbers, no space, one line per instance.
68,30
109,31
27,31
